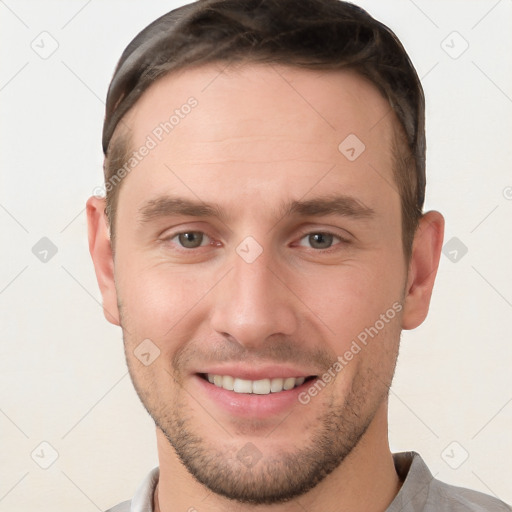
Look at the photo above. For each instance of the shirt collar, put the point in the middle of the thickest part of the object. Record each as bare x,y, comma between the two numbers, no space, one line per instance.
416,479
142,501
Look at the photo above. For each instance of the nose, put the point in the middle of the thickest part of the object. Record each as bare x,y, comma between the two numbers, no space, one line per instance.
253,303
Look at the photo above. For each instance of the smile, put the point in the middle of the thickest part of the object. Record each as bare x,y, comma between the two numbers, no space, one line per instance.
258,387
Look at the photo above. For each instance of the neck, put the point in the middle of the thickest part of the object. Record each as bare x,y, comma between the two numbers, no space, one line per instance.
366,481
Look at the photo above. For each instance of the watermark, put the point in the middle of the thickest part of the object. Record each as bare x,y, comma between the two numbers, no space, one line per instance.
355,347
44,455
249,249
455,249
44,250
454,45
351,147
146,352
156,136
249,455
45,45
455,455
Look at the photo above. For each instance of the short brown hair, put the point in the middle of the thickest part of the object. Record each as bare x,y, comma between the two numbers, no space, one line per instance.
310,34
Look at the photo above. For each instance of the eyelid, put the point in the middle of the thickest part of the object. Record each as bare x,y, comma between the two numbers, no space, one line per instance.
343,240
168,235
340,233
334,235
190,231
172,232
185,226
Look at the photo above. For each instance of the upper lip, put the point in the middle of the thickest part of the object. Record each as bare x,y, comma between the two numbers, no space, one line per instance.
256,373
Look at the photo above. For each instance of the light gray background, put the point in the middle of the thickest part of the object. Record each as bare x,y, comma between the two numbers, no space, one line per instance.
63,378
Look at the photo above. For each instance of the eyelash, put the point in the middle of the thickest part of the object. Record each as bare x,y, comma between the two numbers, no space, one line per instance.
172,236
341,240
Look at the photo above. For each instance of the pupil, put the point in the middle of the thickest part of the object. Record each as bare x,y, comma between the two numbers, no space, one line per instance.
320,240
191,240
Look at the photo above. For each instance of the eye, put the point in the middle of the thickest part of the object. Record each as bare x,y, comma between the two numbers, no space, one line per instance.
319,240
191,239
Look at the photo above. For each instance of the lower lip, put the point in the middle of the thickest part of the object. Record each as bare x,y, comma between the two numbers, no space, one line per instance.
250,404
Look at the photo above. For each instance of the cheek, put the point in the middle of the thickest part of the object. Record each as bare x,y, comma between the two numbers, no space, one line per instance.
155,299
352,297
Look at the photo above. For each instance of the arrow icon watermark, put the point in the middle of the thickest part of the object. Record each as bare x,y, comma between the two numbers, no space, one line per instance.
249,249
44,250
455,249
146,352
351,147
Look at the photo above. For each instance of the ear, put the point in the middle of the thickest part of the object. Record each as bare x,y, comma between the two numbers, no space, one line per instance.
426,251
102,257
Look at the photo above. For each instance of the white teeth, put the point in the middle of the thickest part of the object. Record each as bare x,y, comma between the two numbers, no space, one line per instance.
289,383
276,385
258,387
228,382
261,387
242,386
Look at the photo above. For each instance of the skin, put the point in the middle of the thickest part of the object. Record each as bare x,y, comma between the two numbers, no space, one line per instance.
262,136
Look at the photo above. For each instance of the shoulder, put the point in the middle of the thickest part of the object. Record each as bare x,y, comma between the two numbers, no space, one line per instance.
420,491
458,499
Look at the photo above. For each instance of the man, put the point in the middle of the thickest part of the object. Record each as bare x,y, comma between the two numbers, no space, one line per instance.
262,245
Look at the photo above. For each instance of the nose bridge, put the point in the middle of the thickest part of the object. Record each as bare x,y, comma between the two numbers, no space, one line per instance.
252,304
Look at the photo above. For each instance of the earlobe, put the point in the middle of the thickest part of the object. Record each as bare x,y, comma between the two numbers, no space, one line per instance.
101,253
426,251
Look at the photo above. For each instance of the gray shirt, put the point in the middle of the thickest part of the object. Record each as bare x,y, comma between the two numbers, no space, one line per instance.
420,492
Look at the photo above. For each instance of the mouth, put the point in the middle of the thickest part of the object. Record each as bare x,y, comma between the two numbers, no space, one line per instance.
264,386
263,393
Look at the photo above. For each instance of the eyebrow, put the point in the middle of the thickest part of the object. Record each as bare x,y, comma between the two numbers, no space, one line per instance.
345,206
169,206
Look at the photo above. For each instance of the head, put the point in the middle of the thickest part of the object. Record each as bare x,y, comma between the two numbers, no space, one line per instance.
271,226
316,35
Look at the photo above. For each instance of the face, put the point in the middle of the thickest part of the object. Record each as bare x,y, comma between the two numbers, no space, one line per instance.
259,272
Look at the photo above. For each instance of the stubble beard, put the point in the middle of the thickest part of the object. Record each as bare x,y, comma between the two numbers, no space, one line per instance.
280,476
276,477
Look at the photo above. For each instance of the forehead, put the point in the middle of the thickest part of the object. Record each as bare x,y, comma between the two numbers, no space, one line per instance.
261,123
334,100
